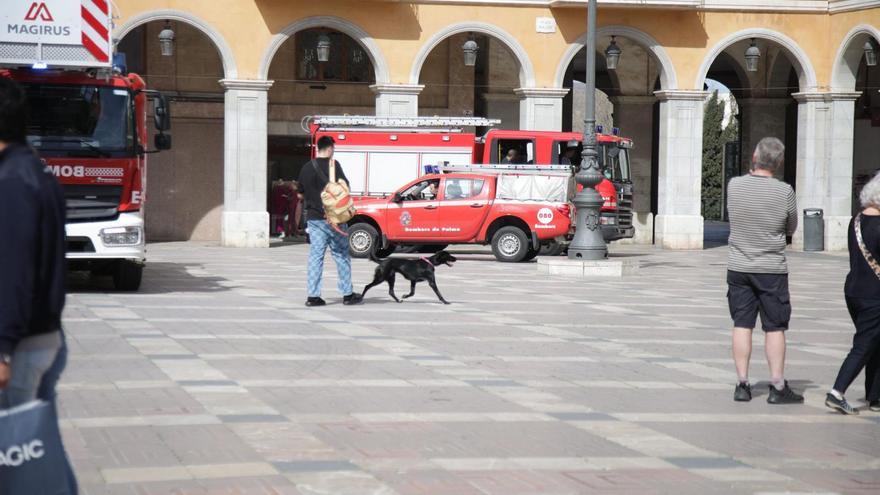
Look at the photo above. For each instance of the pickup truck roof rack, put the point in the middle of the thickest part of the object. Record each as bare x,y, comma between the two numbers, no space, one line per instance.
402,122
499,169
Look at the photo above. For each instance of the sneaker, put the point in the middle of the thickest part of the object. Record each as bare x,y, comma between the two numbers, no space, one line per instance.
874,405
840,405
784,396
743,392
352,299
315,301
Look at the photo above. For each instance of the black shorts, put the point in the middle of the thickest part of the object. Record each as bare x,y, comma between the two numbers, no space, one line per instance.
751,293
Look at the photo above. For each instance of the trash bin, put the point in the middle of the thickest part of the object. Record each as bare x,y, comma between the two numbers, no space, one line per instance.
814,229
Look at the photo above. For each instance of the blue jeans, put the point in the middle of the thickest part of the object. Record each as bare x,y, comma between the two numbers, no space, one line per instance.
321,235
36,369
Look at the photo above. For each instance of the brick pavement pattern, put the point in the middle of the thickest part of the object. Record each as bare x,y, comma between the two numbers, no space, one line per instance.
215,379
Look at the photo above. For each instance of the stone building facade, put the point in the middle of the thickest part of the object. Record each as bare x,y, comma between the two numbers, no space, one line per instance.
244,76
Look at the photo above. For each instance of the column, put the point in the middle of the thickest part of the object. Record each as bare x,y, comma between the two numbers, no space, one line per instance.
634,115
245,221
540,109
826,123
679,222
397,100
839,209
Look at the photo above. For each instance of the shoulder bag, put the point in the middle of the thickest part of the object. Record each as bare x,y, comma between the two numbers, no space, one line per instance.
869,258
336,197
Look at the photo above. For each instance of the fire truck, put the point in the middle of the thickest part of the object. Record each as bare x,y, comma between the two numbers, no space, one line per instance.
380,154
88,122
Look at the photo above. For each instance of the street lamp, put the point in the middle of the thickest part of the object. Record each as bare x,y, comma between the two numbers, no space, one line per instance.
870,54
753,54
612,55
588,242
323,48
470,48
166,40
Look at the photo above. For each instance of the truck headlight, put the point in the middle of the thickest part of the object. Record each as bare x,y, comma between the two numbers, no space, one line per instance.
122,236
607,220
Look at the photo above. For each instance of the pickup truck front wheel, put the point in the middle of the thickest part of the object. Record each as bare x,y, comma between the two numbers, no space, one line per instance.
364,238
510,244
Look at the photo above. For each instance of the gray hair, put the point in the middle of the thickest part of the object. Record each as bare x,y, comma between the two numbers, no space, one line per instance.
769,154
870,195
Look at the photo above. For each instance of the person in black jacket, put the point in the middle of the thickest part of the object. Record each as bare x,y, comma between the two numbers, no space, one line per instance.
862,291
32,266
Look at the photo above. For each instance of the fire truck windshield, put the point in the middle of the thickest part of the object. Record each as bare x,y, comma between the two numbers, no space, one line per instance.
614,162
73,120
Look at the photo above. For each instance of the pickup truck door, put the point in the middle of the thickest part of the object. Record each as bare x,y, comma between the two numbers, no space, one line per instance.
416,215
464,205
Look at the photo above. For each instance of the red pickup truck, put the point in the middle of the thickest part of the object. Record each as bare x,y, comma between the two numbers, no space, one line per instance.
515,208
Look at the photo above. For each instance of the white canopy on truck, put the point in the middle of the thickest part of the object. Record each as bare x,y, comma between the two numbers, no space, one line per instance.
526,182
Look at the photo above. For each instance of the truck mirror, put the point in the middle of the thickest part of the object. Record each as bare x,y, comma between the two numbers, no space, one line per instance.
161,113
397,198
613,152
162,142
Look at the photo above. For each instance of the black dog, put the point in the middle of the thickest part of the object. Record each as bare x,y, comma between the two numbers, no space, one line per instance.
413,270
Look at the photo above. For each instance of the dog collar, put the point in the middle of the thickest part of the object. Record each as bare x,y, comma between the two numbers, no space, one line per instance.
426,260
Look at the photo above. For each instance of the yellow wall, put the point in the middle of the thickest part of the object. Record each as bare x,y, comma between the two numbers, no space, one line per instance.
400,29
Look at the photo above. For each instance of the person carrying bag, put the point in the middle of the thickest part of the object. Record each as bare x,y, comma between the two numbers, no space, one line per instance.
862,291
32,459
328,206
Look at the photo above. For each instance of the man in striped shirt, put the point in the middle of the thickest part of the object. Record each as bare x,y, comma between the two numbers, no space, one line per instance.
762,212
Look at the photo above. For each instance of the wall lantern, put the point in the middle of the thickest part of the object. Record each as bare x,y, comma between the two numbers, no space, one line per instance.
870,54
166,40
470,49
323,48
612,55
753,54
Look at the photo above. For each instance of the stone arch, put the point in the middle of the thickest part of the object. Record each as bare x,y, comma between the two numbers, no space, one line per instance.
355,32
668,77
526,70
801,61
849,56
230,70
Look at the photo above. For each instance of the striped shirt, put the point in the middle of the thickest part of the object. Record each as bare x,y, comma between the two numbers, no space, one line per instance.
762,212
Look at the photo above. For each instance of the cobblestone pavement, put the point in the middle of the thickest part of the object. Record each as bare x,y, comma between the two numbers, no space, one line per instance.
216,379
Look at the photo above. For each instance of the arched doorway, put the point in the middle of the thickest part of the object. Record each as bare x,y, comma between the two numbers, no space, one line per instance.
625,100
484,83
317,70
856,83
762,74
185,185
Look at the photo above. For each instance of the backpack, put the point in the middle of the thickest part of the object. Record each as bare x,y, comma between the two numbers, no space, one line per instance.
336,197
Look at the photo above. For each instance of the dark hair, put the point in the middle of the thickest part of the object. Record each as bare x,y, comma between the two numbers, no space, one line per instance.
325,142
13,112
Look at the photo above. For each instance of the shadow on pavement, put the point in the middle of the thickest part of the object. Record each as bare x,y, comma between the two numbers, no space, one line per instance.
159,278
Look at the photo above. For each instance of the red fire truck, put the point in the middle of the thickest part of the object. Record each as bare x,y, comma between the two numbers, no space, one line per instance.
382,153
514,208
88,121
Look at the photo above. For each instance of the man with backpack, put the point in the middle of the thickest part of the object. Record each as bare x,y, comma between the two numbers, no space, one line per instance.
324,232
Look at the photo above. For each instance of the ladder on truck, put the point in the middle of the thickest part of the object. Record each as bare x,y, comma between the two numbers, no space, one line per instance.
501,169
424,124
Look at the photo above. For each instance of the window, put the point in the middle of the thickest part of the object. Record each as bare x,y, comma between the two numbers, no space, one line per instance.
83,119
463,188
567,153
348,60
425,190
513,151
615,165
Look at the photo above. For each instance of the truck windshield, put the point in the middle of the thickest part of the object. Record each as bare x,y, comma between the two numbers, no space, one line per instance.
80,119
614,162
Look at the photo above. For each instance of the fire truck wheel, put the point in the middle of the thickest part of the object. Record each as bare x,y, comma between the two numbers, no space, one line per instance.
510,244
127,276
362,239
552,249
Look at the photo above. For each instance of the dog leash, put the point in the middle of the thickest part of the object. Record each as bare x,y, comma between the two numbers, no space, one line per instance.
426,260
